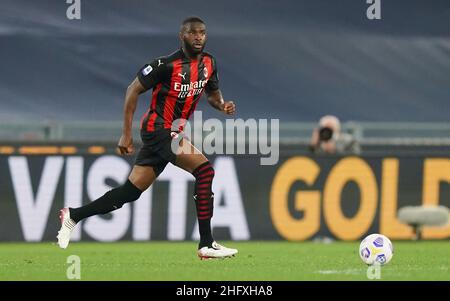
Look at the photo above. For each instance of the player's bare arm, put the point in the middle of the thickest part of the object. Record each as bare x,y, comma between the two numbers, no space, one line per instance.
125,144
215,99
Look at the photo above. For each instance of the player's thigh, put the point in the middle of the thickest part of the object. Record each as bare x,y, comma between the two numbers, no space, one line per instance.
189,157
142,176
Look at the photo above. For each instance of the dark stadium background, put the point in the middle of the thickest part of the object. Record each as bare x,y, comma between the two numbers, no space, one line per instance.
62,85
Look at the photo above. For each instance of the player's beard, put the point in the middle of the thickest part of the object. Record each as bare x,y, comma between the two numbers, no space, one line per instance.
191,51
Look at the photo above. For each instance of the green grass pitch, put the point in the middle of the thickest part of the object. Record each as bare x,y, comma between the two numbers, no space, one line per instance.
425,260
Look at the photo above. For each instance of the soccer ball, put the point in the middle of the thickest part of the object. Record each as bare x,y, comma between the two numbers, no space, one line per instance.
376,249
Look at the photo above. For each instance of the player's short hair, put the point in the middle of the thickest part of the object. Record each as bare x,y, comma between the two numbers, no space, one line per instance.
191,19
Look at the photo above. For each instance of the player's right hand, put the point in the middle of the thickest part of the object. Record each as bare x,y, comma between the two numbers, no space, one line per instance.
125,145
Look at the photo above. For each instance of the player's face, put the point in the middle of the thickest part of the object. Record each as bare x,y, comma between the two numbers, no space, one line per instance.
194,37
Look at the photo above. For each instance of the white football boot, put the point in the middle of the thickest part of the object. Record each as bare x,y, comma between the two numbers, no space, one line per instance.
216,251
67,226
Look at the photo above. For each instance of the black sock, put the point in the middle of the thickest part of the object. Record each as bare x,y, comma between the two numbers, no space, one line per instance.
206,238
112,200
204,201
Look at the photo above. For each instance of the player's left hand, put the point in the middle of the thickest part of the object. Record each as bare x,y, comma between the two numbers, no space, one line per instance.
229,107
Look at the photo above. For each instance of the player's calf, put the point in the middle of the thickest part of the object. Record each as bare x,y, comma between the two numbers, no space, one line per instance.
110,201
204,201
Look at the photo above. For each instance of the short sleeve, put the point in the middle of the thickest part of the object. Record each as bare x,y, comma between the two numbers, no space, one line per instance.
152,74
213,82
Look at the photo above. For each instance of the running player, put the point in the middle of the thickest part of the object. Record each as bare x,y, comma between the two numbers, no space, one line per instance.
178,81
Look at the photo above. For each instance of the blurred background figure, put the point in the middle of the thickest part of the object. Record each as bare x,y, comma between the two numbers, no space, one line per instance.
328,138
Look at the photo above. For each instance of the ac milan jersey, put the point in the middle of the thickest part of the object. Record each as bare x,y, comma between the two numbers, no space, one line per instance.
178,83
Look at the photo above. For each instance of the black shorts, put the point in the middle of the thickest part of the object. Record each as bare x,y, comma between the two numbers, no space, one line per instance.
156,150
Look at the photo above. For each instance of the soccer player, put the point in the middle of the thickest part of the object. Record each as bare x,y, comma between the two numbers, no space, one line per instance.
178,81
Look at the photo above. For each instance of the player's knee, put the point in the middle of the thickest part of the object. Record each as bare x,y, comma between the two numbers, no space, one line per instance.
204,172
211,172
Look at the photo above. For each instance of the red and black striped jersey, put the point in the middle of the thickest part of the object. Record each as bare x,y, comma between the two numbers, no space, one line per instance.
178,83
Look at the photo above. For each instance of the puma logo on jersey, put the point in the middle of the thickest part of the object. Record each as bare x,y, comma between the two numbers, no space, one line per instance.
159,63
182,75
